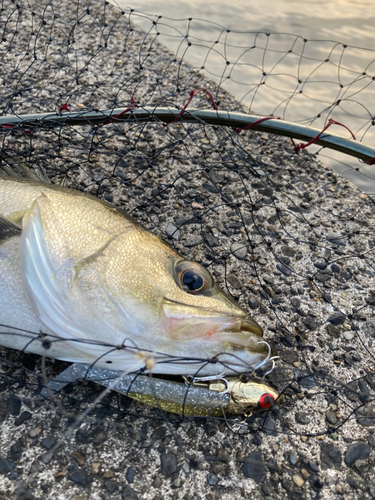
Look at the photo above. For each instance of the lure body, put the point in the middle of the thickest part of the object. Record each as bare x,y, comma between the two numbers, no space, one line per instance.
213,398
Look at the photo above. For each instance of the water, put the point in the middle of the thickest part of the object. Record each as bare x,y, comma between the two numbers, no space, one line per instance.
348,21
327,71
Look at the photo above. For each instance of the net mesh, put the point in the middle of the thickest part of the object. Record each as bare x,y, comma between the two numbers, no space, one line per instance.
289,239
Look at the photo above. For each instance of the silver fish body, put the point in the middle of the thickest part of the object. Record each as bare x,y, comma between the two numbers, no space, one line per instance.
81,281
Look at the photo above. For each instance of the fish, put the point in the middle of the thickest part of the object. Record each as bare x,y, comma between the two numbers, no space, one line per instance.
82,281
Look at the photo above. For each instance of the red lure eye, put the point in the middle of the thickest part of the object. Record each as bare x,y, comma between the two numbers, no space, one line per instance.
266,401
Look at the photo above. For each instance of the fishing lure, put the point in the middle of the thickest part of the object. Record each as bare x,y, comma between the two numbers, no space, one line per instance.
207,396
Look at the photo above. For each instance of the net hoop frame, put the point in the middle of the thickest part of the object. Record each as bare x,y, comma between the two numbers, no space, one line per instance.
235,120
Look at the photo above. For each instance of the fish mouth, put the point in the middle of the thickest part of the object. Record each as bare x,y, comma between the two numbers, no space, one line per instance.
186,323
243,333
246,325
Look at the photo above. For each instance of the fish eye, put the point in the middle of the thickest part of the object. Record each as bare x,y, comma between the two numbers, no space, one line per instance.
193,278
192,281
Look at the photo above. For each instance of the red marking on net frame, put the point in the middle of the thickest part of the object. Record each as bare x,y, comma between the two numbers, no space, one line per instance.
113,118
64,107
193,93
298,147
251,125
17,127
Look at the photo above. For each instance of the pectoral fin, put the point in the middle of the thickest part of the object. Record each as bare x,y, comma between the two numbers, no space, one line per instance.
8,229
49,277
40,274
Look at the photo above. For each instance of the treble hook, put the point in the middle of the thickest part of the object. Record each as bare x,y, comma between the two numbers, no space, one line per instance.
273,364
190,379
267,359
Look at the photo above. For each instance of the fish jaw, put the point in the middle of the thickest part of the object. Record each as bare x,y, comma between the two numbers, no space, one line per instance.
184,324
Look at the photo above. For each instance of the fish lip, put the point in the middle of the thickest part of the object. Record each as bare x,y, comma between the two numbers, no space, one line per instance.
239,331
246,325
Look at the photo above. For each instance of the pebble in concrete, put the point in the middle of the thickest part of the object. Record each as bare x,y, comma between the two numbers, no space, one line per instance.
239,250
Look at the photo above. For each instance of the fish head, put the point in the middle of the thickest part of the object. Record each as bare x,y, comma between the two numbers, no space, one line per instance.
194,306
181,308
